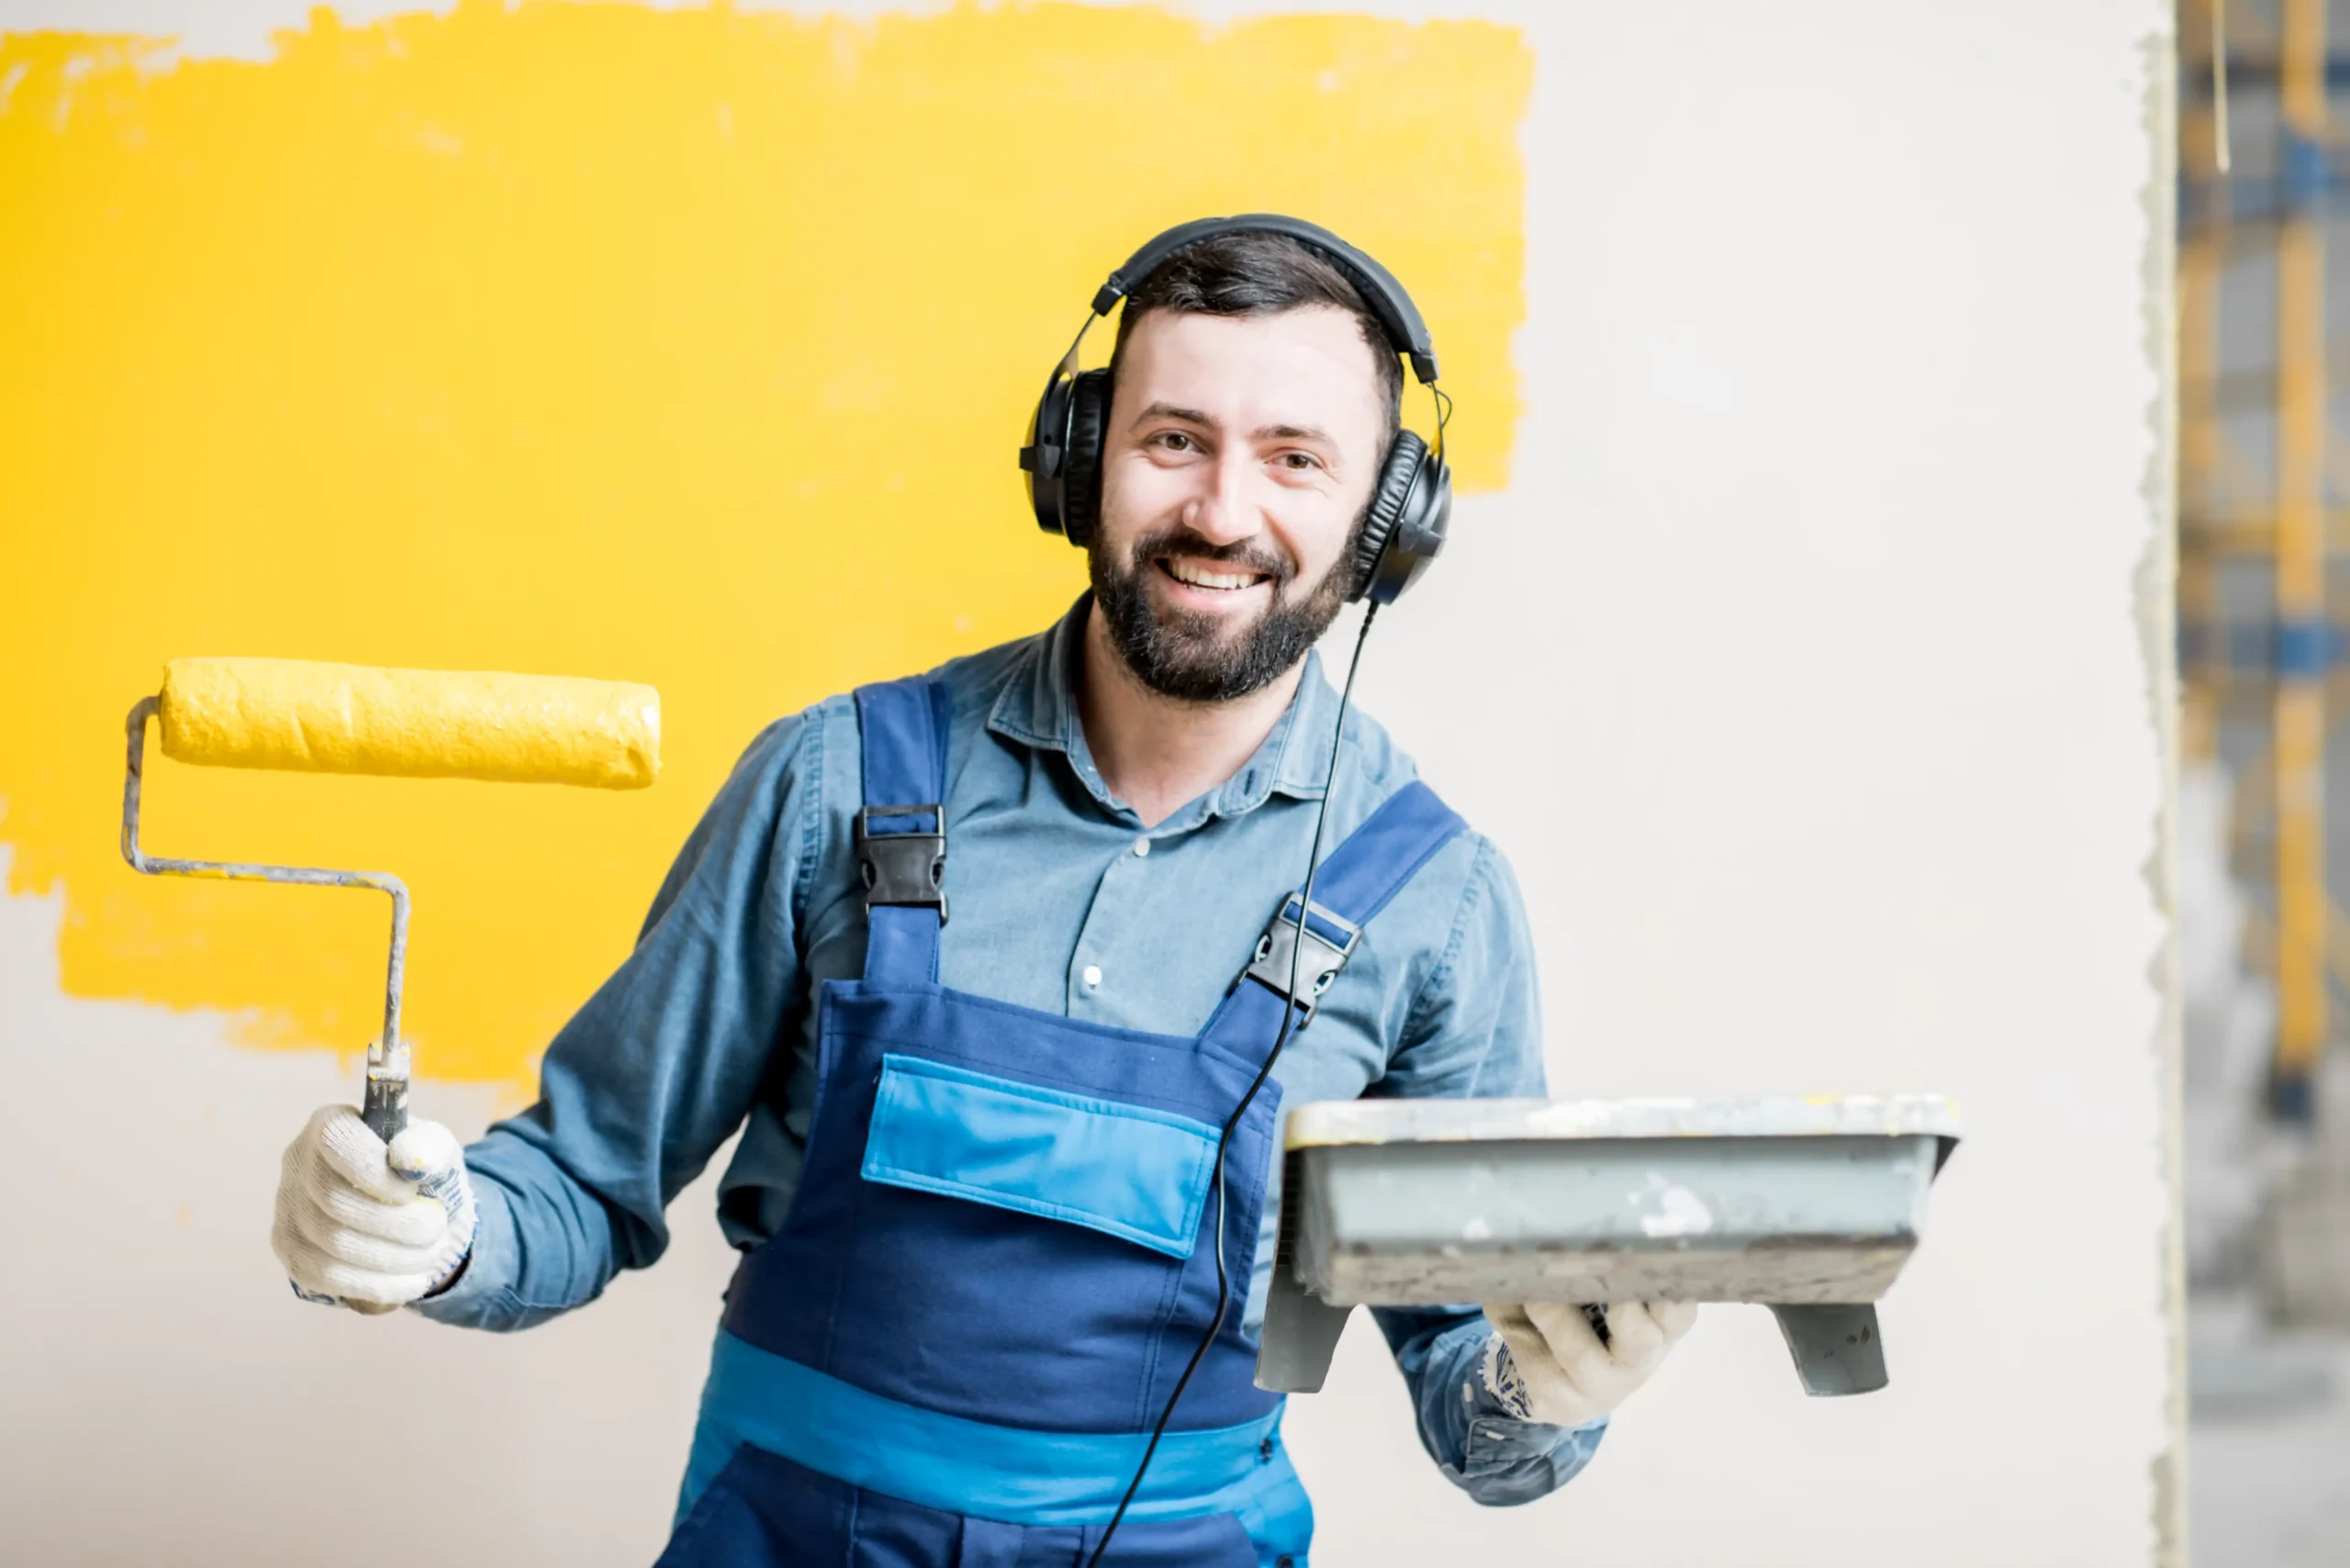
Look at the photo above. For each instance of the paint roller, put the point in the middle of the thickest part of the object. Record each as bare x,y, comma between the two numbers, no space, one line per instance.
305,717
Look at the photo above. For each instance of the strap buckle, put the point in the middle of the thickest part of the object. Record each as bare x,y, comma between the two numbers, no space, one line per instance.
904,869
1320,964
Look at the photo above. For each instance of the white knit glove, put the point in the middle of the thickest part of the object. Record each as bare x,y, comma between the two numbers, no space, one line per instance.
1547,1362
368,1227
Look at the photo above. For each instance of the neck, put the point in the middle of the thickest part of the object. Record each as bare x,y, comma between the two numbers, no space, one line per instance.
1157,752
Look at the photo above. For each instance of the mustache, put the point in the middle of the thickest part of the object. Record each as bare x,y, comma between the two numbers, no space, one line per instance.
1248,554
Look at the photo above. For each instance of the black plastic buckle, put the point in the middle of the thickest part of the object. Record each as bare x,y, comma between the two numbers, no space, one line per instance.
905,869
1323,958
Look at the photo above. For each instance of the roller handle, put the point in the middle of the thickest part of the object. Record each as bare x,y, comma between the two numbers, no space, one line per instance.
386,1110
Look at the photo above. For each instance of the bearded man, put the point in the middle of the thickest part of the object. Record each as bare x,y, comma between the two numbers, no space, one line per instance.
991,1172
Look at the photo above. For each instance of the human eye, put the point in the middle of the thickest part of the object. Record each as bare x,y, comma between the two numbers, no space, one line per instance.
1174,441
1298,462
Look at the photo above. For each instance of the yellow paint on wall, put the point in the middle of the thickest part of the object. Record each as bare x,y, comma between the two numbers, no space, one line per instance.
679,346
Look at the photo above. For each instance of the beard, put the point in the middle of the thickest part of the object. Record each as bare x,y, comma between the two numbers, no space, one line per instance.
1194,656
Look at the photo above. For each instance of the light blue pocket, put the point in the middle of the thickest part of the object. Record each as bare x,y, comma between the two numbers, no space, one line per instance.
1126,1170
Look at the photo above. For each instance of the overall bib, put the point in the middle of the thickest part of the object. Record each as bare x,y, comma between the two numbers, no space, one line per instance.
1001,1250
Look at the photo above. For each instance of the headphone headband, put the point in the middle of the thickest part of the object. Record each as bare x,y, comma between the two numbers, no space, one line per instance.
1397,315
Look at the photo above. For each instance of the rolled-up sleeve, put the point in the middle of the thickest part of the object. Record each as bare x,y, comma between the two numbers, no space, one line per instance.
1476,1031
1496,1457
658,1069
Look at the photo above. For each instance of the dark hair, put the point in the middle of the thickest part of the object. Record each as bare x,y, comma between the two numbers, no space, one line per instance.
1260,274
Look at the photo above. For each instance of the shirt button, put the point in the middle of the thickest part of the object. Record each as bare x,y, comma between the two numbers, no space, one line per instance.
1142,846
1093,976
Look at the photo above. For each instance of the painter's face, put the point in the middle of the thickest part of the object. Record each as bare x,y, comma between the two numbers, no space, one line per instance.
1236,468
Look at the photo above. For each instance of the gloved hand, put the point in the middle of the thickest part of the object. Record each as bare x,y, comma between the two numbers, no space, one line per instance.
368,1227
1548,1362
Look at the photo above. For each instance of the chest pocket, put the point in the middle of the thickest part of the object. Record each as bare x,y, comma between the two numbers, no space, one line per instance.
1130,1172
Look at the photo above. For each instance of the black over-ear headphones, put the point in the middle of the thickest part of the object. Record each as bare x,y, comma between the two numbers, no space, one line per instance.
1403,529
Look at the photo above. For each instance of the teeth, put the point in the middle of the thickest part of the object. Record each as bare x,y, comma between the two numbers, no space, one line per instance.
1200,577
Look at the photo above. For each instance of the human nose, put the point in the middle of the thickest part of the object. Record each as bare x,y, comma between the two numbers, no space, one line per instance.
1222,513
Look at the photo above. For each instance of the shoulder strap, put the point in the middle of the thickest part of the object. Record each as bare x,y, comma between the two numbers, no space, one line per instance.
1356,881
1359,877
900,833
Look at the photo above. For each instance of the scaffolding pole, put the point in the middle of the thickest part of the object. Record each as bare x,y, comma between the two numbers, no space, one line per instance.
2203,249
2302,644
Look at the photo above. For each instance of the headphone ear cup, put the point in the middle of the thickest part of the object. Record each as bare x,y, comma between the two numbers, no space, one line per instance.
1386,559
1040,459
1089,417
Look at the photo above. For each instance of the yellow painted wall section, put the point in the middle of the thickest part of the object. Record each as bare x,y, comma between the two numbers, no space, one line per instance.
683,346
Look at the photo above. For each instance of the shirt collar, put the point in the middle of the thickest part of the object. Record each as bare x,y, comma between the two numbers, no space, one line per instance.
1037,708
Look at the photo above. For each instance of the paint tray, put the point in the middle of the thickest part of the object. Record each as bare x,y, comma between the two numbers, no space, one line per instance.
1808,1206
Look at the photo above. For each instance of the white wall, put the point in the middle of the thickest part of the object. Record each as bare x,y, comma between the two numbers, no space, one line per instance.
1811,673
1814,692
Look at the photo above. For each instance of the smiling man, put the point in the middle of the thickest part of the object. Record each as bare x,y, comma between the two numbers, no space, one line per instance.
1001,1179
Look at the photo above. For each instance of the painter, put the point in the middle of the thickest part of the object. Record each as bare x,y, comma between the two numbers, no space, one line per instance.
1004,972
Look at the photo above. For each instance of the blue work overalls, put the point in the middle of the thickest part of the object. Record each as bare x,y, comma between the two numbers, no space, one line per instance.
1000,1253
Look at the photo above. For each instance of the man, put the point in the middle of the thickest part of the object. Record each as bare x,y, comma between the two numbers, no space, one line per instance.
990,1169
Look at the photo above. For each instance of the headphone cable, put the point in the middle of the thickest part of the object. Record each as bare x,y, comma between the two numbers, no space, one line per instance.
1281,1039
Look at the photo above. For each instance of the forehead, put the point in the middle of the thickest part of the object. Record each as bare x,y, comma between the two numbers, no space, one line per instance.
1308,367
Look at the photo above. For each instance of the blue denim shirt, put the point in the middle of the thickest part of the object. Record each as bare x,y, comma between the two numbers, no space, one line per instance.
1061,901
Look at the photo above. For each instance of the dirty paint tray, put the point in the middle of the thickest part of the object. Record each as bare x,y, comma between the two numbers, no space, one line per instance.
1809,1207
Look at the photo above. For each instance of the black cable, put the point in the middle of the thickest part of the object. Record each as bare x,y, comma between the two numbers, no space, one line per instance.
1281,1038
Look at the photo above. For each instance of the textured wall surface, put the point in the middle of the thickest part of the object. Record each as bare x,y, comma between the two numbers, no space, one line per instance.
1801,642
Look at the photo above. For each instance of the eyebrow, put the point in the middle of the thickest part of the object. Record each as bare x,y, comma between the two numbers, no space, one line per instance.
1170,411
1263,432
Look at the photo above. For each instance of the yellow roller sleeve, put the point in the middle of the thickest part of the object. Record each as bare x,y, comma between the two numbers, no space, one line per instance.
416,724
